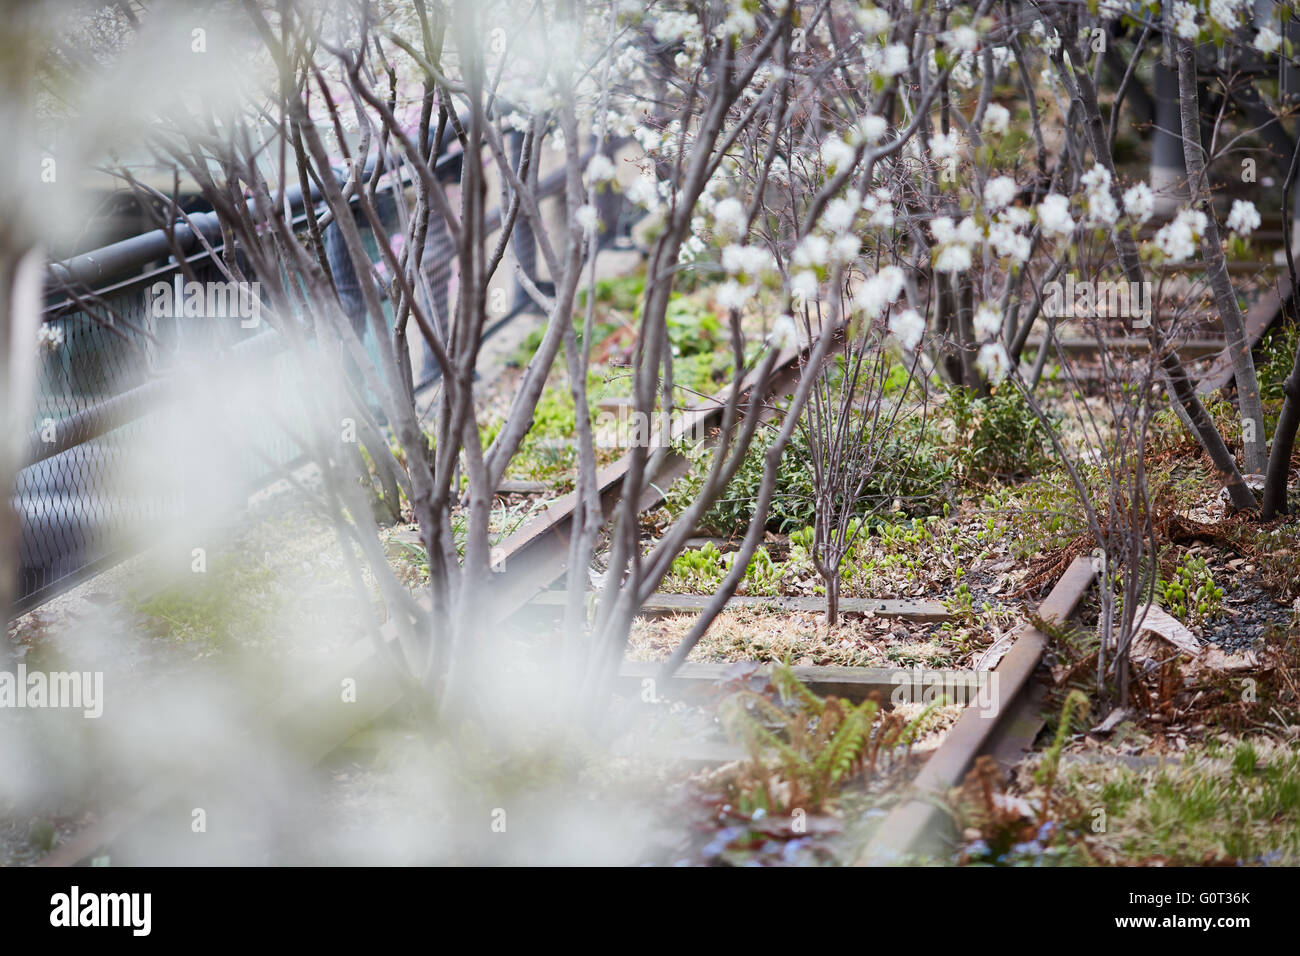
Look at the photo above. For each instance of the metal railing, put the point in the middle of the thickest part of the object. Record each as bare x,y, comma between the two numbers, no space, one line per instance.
105,384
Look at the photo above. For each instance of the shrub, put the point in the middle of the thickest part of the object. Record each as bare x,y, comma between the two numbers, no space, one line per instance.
792,501
1277,354
691,329
997,436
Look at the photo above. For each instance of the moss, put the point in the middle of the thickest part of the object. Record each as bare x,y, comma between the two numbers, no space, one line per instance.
234,601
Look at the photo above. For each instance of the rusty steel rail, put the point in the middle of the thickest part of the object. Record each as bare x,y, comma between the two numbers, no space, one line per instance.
919,821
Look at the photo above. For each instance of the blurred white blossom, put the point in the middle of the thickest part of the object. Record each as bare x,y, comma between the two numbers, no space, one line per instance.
600,169
1054,215
1268,40
988,321
784,334
1140,202
993,362
996,118
998,192
1244,217
729,218
1177,239
908,327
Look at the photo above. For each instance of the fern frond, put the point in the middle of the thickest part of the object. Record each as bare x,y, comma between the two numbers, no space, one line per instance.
790,687
908,736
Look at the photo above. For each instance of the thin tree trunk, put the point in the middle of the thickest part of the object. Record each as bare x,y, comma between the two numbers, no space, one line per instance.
1177,381
1255,454
833,599
1273,502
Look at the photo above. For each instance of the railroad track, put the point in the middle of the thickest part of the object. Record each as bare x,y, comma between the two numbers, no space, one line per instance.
311,722
917,823
536,558
1268,307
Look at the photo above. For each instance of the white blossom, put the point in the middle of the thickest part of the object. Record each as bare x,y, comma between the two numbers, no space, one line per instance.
892,280
840,213
813,251
1244,217
880,205
1268,40
1015,217
739,22
1185,20
784,334
1102,210
1096,179
691,249
803,285
963,71
889,61
999,191
1177,239
1054,215
880,291
49,337
993,362
953,258
908,327
946,231
844,248
729,218
996,118
733,295
964,39
837,154
644,193
873,21
943,145
871,128
988,321
586,218
1110,9
954,242
600,169
1140,202
672,26
969,233
1051,41
747,260
1226,13
1007,241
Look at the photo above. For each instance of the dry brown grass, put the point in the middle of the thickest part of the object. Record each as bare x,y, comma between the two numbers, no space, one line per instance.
760,634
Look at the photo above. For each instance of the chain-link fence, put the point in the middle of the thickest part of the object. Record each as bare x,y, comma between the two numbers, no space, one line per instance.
105,390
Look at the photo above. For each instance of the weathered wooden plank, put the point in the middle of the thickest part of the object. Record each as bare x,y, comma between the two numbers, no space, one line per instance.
1257,321
512,486
660,605
850,683
1188,349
